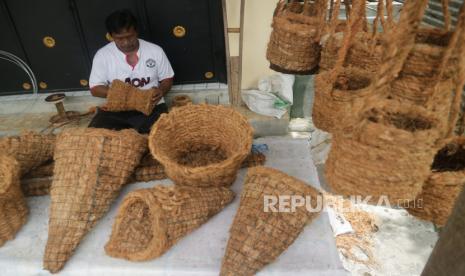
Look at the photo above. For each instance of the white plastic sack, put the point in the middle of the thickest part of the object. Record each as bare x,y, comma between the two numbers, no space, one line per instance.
279,84
320,146
262,103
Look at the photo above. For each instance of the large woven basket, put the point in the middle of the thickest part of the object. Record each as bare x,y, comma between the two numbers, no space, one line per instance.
30,149
13,208
201,145
388,154
258,237
294,42
91,166
150,221
443,186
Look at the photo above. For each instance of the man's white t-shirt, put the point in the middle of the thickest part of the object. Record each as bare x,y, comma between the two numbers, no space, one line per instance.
110,63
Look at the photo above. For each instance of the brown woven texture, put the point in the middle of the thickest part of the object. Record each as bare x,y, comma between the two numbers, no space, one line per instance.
294,41
44,170
181,100
91,166
339,99
124,97
340,92
257,238
13,207
443,186
30,149
201,145
365,50
389,153
36,186
254,159
151,221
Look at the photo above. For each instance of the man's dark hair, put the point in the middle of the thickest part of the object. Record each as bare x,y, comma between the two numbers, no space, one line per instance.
120,20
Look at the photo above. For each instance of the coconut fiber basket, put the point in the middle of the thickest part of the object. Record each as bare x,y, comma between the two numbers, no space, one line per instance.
201,145
388,155
124,97
30,149
91,166
151,221
294,42
258,237
13,207
447,179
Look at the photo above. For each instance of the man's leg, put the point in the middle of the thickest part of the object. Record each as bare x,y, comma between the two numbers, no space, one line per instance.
110,120
143,123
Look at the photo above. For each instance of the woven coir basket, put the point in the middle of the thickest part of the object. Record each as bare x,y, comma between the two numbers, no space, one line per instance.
294,42
91,166
388,154
201,145
124,97
36,186
13,208
30,149
181,100
257,237
150,221
338,100
447,179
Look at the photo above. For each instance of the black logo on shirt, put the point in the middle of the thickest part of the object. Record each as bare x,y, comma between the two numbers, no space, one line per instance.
150,63
136,82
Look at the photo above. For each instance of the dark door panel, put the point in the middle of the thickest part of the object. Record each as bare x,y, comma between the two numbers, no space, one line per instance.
12,77
50,37
195,54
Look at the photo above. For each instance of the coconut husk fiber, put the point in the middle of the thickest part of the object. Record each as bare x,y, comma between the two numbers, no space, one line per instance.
258,238
201,145
30,149
181,100
338,100
44,170
124,97
13,207
294,41
388,154
91,166
36,186
151,221
441,189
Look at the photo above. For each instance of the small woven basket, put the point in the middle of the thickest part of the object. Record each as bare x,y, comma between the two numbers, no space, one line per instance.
201,145
151,221
91,166
294,42
181,100
447,179
124,97
258,237
13,207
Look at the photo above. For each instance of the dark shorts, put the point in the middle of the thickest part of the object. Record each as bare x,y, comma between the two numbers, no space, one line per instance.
128,119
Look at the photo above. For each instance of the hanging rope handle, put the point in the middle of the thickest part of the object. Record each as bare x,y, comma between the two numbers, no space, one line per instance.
400,42
280,8
334,19
446,13
458,39
354,25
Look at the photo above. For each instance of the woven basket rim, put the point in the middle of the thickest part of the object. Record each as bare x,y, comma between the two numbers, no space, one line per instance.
348,95
165,160
159,240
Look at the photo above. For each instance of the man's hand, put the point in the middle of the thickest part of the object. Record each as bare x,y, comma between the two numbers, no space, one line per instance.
157,95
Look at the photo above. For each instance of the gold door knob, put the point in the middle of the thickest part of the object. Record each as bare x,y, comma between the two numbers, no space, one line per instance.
108,37
209,75
43,85
27,86
49,41
83,82
179,31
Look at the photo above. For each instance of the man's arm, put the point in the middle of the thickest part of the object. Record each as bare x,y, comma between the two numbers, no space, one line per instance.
163,89
100,91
